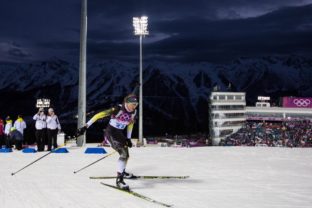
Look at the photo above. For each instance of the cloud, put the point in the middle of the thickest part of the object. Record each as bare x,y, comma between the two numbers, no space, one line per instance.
276,33
17,52
183,30
281,32
13,52
176,9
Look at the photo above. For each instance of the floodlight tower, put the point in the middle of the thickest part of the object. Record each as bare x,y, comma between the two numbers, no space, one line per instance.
140,29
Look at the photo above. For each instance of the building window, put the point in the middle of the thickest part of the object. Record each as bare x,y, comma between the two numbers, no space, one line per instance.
221,97
230,97
239,97
228,107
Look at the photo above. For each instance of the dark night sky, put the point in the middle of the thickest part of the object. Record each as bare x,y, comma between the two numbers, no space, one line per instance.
180,30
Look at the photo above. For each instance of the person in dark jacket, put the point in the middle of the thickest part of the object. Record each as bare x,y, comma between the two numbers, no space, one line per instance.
16,138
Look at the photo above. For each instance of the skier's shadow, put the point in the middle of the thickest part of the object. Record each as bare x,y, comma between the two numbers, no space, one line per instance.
149,183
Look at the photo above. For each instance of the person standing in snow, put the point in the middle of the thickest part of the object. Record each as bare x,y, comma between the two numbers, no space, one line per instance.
54,126
16,138
8,126
20,124
121,116
41,127
2,138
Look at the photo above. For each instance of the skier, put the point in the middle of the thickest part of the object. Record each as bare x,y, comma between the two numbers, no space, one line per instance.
121,116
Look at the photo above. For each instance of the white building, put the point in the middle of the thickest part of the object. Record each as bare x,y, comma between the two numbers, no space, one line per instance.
226,114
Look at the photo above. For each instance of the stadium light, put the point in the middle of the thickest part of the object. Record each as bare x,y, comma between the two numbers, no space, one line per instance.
43,103
140,29
140,25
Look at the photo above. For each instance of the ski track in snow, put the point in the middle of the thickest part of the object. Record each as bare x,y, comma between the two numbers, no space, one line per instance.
220,177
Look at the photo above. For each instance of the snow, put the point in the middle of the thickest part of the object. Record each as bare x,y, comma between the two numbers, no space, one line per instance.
219,177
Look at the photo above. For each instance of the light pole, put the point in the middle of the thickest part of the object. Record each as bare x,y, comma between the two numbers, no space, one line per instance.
82,73
140,29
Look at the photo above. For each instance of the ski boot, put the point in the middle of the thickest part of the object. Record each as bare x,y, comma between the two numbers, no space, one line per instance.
120,182
128,175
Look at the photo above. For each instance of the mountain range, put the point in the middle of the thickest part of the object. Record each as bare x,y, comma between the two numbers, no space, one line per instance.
175,94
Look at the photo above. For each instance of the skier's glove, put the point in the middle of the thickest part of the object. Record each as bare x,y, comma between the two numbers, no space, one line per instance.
81,131
129,143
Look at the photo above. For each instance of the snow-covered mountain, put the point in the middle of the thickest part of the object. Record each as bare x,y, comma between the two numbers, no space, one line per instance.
175,94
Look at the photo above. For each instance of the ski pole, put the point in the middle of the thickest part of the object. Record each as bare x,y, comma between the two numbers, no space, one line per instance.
33,162
94,162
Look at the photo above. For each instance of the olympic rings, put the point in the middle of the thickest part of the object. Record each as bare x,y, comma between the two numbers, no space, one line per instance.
302,102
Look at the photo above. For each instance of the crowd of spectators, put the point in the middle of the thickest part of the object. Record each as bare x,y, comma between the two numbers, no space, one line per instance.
272,134
192,140
47,126
12,133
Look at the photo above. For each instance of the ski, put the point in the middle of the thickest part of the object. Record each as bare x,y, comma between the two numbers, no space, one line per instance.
137,195
141,177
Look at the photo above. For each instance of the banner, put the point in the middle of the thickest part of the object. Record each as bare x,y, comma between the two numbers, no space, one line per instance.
297,102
